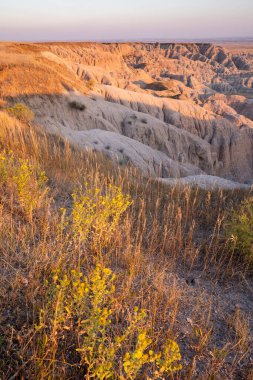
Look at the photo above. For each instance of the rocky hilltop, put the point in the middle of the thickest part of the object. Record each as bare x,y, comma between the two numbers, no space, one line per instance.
172,110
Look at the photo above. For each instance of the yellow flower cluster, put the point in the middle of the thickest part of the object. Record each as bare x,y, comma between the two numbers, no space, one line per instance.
91,302
166,361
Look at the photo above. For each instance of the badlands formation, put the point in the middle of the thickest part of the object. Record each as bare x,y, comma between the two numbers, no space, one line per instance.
178,112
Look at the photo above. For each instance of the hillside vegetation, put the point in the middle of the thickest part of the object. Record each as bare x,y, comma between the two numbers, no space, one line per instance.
96,266
107,272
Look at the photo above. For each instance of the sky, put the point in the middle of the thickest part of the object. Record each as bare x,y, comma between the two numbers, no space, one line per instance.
107,20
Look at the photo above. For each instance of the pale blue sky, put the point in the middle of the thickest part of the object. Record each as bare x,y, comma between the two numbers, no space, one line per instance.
32,20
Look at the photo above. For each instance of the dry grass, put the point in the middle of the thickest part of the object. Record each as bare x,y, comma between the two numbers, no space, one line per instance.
25,71
163,237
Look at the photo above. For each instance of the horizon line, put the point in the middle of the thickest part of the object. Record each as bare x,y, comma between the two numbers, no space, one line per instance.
140,40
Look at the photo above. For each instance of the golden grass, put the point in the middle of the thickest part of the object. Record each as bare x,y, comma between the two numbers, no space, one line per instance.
25,71
163,234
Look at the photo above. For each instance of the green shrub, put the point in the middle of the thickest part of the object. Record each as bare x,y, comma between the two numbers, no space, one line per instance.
240,230
21,112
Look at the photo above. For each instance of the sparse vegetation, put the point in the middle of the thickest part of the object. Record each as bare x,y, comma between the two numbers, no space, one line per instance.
91,263
21,112
77,105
